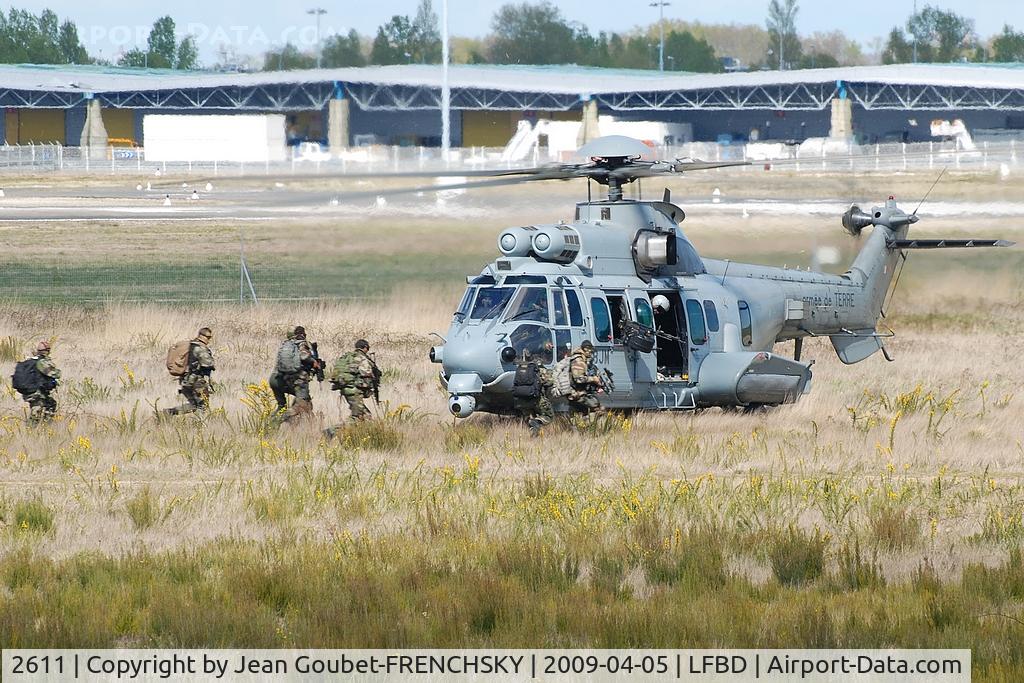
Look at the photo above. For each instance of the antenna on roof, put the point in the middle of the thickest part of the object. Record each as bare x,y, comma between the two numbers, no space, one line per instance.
930,190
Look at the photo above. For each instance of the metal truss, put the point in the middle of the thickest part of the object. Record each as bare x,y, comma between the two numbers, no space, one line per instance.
378,97
911,97
372,97
40,99
800,96
284,97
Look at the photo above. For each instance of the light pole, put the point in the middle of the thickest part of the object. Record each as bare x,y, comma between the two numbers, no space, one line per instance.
318,12
446,92
914,58
661,4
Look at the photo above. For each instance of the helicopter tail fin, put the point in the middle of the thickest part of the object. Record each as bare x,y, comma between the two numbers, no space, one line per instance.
874,268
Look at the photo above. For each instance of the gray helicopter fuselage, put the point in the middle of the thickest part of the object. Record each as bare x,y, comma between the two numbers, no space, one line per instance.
595,278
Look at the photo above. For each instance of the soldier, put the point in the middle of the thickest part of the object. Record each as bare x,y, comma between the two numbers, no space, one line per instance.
295,367
195,383
356,376
585,383
531,393
35,378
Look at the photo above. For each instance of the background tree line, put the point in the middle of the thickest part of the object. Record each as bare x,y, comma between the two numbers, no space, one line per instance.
538,33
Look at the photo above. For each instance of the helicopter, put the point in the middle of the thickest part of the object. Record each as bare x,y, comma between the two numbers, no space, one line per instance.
675,330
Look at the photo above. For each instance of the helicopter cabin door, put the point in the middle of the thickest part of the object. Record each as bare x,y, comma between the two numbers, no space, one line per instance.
697,336
644,363
610,353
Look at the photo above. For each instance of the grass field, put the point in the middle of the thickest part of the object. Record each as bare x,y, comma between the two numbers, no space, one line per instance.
884,510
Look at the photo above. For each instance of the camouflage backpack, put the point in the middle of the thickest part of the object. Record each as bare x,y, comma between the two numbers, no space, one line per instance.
288,360
178,357
345,370
561,376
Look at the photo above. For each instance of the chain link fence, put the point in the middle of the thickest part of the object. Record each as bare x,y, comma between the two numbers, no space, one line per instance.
824,157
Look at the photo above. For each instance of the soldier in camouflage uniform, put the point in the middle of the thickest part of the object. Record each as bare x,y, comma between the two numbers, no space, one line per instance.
195,383
42,405
296,384
361,385
585,383
538,411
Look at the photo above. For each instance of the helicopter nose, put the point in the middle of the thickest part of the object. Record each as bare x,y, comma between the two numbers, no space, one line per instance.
462,356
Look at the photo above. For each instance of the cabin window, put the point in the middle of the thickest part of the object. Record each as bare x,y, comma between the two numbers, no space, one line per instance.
559,306
620,313
575,312
563,343
490,302
745,326
712,314
644,313
530,304
602,321
535,339
695,319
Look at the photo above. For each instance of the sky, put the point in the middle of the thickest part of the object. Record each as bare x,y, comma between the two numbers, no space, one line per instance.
110,27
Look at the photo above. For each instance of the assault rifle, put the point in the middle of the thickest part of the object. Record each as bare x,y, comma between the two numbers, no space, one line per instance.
377,373
606,377
318,363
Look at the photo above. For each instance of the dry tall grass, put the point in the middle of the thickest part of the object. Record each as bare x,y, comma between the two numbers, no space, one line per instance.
937,434
897,484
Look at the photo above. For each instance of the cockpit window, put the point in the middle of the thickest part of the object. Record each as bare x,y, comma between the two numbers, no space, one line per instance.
644,314
536,340
490,302
525,280
530,304
467,299
483,280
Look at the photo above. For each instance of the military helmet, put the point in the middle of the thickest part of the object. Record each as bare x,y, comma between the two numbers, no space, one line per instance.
362,345
204,333
299,332
43,347
585,345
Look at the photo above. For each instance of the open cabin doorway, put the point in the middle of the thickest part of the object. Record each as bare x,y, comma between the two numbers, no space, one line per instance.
672,348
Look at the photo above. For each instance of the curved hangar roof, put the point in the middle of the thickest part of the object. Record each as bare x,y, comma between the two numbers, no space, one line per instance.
410,87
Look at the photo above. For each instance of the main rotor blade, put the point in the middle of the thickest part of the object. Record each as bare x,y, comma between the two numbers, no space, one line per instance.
671,168
468,173
368,194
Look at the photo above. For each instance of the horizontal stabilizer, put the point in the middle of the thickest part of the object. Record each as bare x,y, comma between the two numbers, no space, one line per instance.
946,244
856,345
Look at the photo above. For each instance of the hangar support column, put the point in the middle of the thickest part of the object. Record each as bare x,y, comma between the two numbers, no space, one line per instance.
337,120
94,133
589,126
842,115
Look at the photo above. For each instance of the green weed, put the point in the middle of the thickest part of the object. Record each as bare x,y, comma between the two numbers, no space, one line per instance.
798,557
32,516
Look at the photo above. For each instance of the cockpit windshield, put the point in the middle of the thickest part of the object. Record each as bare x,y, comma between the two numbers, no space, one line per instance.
530,304
467,299
490,302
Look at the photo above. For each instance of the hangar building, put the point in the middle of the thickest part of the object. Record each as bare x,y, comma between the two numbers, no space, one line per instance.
400,104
